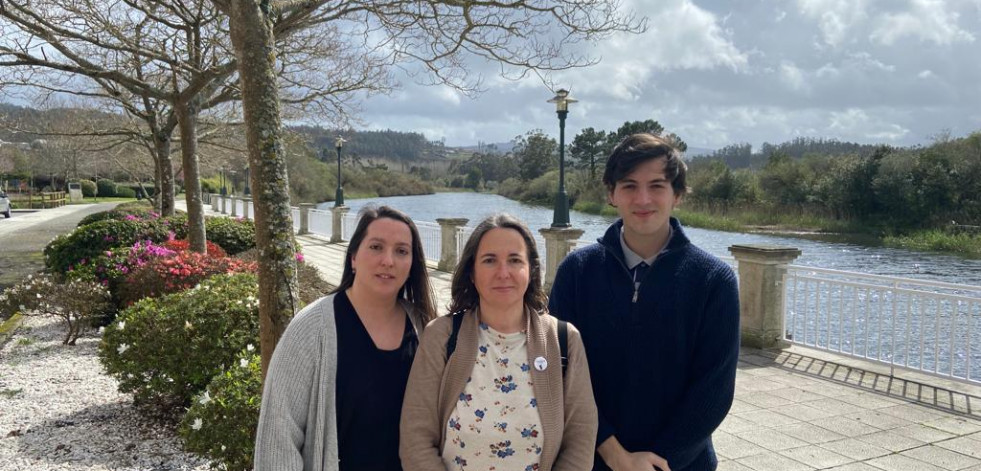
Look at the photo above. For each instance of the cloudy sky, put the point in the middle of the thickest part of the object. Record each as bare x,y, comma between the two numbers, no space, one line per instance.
719,72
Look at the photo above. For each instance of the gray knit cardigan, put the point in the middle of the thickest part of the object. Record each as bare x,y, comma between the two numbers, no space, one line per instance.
298,421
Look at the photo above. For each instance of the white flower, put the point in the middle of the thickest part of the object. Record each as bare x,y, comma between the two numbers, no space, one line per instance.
243,363
102,329
197,424
122,325
206,398
250,347
39,295
187,325
223,448
122,348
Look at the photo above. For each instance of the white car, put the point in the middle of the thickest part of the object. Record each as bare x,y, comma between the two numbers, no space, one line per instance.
4,204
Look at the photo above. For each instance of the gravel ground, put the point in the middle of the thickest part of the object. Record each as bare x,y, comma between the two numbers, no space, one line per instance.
59,411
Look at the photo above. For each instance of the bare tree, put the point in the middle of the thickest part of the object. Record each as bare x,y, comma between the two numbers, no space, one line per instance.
528,36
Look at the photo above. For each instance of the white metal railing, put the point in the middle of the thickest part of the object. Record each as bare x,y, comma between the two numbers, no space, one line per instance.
925,326
432,245
295,214
348,224
321,222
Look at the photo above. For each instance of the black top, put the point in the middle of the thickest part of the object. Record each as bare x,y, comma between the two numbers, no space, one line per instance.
370,386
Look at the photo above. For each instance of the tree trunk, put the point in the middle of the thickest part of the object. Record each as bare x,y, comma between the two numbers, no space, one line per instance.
161,143
252,38
187,117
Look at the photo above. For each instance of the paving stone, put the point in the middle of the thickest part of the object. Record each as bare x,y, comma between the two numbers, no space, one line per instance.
767,418
891,441
796,394
911,412
803,412
809,433
878,419
855,467
732,447
835,406
732,466
955,425
816,456
962,445
902,463
869,400
736,424
855,449
795,381
766,400
941,457
845,426
773,462
739,406
757,384
771,439
829,389
923,433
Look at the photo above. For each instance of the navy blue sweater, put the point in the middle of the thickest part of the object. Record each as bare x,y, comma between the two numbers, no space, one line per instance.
663,367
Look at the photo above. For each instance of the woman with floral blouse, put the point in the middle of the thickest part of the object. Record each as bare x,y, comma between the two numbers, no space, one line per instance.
502,399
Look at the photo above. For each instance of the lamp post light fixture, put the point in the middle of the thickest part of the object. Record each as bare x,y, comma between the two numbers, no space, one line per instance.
339,194
560,216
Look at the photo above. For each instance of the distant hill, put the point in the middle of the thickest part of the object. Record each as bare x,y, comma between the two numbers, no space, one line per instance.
698,151
490,148
387,144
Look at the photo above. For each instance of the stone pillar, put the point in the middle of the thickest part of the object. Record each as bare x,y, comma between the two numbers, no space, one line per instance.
215,201
245,207
448,229
234,206
224,205
305,217
761,305
558,244
338,212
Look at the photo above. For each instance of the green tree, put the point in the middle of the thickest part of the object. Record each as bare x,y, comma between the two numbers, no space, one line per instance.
535,153
588,149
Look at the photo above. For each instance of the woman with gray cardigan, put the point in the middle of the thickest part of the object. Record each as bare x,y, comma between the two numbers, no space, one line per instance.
333,393
489,388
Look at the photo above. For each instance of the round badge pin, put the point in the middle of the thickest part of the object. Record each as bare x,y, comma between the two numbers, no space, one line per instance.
541,363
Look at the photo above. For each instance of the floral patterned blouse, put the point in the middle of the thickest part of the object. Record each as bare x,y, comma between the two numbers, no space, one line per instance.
495,425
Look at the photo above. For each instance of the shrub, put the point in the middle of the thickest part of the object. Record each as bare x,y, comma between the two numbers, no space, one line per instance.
84,243
88,188
184,245
311,285
165,275
125,192
121,212
166,350
233,235
106,187
111,269
221,423
74,301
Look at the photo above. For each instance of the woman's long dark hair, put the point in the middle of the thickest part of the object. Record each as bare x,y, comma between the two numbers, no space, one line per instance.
463,291
416,289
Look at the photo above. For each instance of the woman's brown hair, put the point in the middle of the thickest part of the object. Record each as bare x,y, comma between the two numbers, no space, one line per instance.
416,289
464,293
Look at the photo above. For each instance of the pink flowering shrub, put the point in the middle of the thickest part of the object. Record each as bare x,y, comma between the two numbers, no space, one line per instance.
183,270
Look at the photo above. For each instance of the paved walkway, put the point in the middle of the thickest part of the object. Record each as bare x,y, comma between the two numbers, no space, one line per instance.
801,410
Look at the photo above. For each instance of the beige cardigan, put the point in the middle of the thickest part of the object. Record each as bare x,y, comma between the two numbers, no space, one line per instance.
567,409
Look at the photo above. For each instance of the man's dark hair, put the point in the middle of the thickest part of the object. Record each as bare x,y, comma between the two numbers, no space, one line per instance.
636,149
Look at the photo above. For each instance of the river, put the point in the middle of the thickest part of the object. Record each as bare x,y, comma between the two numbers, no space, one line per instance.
834,255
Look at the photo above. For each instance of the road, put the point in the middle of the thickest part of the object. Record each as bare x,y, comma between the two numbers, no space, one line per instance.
23,236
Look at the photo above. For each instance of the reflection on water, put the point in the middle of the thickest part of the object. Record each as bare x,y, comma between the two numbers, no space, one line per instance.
848,256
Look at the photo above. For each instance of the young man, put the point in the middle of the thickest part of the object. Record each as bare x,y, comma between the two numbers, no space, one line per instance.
659,318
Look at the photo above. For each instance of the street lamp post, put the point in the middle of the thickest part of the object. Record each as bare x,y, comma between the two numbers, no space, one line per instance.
247,191
560,216
223,190
339,194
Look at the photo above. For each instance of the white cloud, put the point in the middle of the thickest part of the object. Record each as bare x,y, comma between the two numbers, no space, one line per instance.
926,20
857,122
925,74
835,17
793,77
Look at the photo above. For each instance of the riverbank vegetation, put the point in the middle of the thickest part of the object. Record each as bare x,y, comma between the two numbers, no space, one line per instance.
921,198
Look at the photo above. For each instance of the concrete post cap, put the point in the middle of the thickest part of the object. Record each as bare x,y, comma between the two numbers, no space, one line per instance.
452,221
764,252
